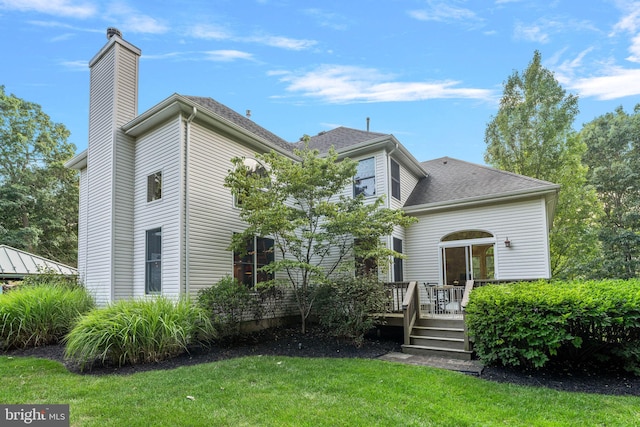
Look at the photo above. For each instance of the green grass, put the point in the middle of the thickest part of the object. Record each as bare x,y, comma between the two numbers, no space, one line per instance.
279,391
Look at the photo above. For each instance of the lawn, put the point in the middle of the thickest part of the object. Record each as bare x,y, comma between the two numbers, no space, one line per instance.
280,391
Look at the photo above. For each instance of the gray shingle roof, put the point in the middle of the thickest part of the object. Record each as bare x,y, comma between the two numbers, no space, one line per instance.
339,138
453,180
240,120
15,264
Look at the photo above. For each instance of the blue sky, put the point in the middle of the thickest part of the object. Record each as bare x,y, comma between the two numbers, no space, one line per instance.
429,72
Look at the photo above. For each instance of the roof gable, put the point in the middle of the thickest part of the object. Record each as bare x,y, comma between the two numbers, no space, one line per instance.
451,180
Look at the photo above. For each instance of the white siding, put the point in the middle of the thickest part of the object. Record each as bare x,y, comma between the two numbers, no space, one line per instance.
100,175
522,222
113,102
126,102
159,150
82,226
212,216
408,182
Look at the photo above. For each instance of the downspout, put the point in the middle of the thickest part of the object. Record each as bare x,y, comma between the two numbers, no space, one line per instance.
186,201
389,185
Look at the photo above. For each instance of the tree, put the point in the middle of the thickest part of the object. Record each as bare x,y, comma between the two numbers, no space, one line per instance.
38,195
314,226
532,135
613,157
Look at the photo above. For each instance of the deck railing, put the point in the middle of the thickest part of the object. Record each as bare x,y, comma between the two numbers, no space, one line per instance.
396,292
443,301
410,310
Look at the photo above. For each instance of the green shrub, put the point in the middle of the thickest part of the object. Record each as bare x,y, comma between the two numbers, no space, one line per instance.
346,306
137,331
226,303
32,316
529,323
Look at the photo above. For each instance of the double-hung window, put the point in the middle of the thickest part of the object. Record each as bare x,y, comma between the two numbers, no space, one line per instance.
153,261
398,275
365,180
246,267
395,179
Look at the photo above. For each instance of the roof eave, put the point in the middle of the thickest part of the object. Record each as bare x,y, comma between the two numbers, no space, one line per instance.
550,192
78,162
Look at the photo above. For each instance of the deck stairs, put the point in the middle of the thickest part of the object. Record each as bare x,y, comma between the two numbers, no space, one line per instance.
439,337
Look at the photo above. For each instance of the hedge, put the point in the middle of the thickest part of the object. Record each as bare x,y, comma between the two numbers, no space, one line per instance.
529,323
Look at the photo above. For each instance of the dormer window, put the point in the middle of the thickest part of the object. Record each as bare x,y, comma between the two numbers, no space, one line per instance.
395,179
365,179
154,186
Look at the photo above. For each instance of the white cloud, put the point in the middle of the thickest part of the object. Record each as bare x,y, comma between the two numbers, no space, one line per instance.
214,32
630,21
617,83
281,42
441,11
531,33
209,32
328,19
351,84
129,19
634,49
227,55
71,8
80,65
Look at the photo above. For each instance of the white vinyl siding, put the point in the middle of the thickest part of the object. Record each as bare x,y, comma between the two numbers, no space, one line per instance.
408,182
99,180
212,216
82,226
523,222
159,150
109,205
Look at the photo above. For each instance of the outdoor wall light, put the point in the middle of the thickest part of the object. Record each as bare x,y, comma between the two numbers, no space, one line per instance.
507,243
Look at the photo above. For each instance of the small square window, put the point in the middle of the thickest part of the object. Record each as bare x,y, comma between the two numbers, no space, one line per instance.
154,187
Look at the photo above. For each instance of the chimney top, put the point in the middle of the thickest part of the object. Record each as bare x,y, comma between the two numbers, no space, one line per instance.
113,31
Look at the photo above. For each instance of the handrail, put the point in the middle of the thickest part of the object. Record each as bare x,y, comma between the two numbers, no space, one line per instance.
410,310
467,291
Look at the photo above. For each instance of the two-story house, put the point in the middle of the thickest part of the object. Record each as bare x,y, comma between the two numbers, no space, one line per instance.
155,217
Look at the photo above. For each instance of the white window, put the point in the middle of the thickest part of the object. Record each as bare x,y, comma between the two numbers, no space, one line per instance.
154,186
365,179
153,271
395,179
398,275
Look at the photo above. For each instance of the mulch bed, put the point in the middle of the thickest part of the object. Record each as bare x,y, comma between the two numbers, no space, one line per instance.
317,343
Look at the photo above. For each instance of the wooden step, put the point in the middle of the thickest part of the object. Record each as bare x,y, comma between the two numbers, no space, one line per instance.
419,350
440,323
433,331
438,342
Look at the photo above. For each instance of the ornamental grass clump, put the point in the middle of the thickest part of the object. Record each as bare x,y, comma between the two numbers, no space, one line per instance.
138,331
33,316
